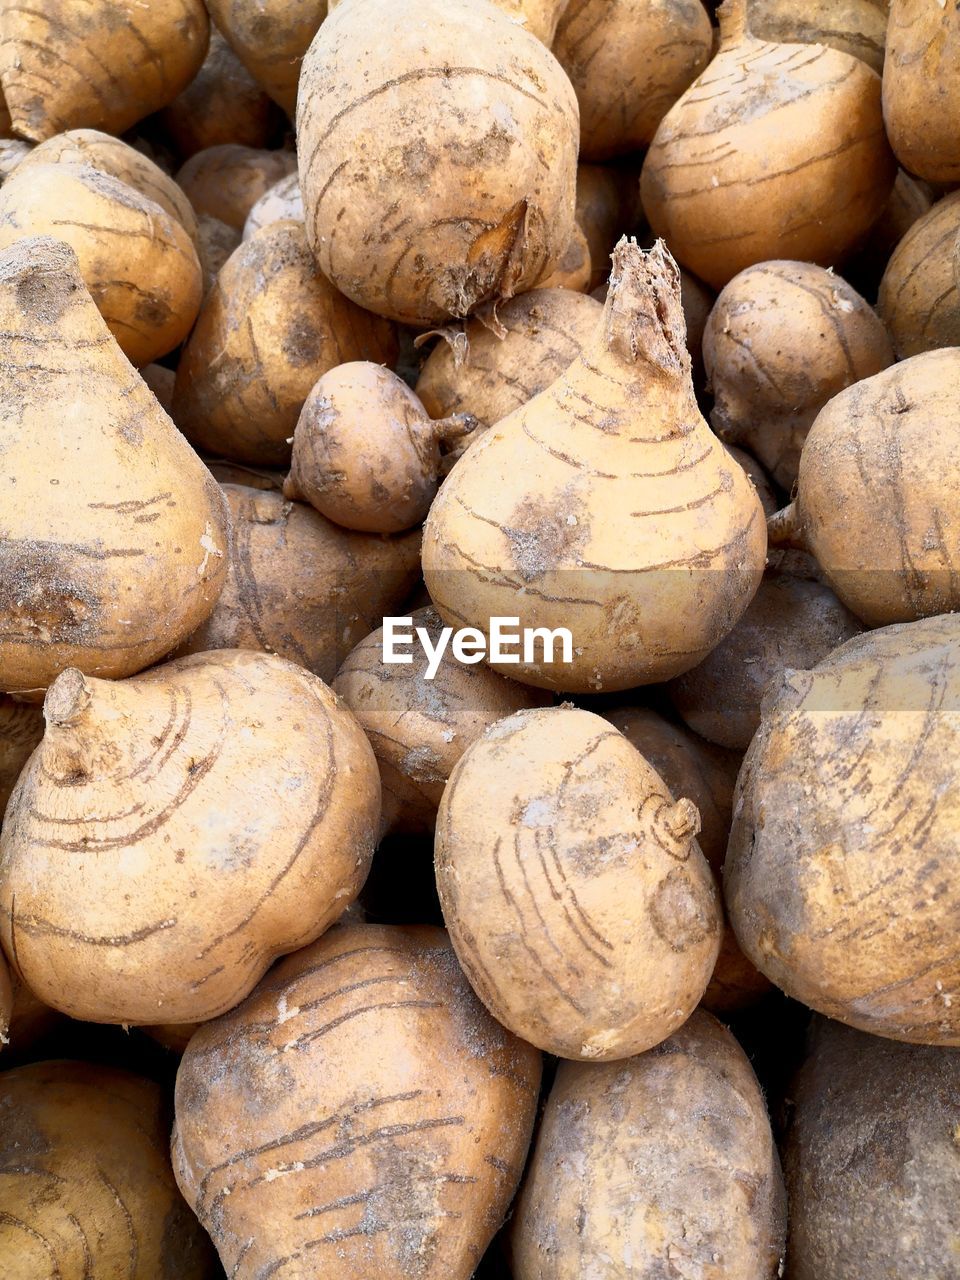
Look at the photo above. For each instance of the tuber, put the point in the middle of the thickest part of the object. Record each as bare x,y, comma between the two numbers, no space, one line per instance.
857,27
919,293
921,87
282,202
21,728
226,181
270,39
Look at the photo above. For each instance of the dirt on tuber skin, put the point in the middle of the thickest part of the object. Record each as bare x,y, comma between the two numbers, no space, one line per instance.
283,202
857,27
920,293
921,87
226,181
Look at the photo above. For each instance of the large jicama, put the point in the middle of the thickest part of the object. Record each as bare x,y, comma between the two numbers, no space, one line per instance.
174,833
921,87
270,39
360,1115
747,166
857,27
112,532
422,215
920,292
605,506
839,876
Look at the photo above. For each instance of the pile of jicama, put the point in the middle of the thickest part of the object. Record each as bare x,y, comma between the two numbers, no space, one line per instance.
338,937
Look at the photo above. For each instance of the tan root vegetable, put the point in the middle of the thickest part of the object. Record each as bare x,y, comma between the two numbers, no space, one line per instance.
537,16
223,103
857,27
160,380
31,1021
112,532
475,208
748,164
215,243
492,369
885,534
12,152
418,727
879,1120
921,87
694,768
782,340
604,213
270,39
838,876
629,61
577,899
248,477
268,330
21,728
663,1165
67,65
86,1187
759,478
366,454
574,270
226,181
920,294
605,506
359,1115
176,832
173,1036
281,203
302,587
138,261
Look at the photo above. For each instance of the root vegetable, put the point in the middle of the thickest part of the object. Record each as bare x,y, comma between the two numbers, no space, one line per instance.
885,535
86,1187
270,39
301,587
575,267
493,369
782,340
838,875
173,834
665,1161
857,27
268,330
605,506
920,294
99,65
227,181
537,16
747,165
281,203
160,380
21,728
6,1003
588,934
361,1114
758,477
604,212
31,1021
246,477
629,61
921,88
215,243
365,453
420,728
112,533
12,151
473,208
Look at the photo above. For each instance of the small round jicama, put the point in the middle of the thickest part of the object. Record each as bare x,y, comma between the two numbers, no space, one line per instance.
359,1115
281,203
921,87
270,39
86,1188
422,215
227,181
577,899
920,293
176,832
838,877
857,27
747,165
660,1166
21,728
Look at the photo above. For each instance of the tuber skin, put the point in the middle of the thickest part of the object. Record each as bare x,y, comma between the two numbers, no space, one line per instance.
475,208
226,181
857,27
605,506
365,452
12,152
359,1115
281,203
838,878
782,340
604,212
112,532
301,587
270,39
665,1161
919,293
575,267
921,88
174,833
215,243
746,166
21,728
420,728
577,899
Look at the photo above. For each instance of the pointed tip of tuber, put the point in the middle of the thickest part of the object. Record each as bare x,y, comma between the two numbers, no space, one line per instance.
66,698
643,312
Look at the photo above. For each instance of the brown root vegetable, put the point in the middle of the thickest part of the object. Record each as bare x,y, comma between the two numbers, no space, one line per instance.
281,203
920,294
871,1160
604,506
886,534
838,876
475,209
112,532
68,65
857,27
174,833
215,243
492,369
537,16
270,39
758,477
921,87
365,452
575,267
160,380
172,1036
270,327
226,181
663,1165
360,1114
629,61
604,213
136,259
419,727
301,587
588,936
246,477
6,1002
223,103
747,165
782,340
86,1186
698,302
908,202
21,728
31,1021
